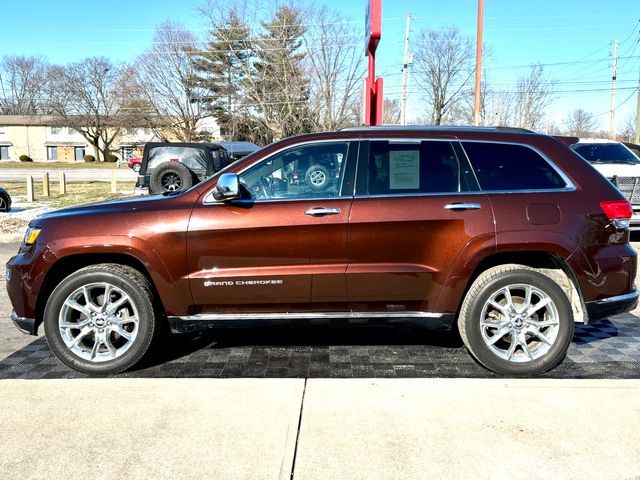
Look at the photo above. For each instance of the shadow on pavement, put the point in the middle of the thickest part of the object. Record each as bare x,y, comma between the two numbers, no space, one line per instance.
341,351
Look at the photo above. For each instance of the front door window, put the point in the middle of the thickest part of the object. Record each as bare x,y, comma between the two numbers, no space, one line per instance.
303,172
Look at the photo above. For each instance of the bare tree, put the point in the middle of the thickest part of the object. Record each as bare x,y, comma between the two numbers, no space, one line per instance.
335,70
23,82
580,123
533,95
629,130
443,66
391,111
167,80
89,97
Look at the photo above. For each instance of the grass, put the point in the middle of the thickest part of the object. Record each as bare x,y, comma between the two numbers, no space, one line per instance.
61,165
77,192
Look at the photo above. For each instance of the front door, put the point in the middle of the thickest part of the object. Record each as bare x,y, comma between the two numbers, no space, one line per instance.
283,247
417,206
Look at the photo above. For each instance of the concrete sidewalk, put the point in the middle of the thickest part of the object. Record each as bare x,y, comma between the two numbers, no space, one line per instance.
347,429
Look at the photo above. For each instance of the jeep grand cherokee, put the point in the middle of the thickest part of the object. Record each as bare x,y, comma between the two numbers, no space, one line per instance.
507,233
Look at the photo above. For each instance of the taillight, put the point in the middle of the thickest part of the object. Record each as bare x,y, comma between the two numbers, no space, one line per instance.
617,209
296,176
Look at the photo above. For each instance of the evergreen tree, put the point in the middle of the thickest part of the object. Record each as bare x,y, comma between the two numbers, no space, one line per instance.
278,86
221,68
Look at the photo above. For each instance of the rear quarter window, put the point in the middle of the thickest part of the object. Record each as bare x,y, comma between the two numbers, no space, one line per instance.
502,166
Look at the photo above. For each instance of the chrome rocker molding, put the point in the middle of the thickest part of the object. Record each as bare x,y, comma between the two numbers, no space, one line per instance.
190,323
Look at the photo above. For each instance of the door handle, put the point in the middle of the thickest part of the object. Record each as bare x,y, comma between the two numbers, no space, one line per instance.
462,206
320,211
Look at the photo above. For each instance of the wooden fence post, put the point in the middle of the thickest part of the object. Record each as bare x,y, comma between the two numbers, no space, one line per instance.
46,191
30,189
63,183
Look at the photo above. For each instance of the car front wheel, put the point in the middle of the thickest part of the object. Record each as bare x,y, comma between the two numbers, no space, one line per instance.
516,321
101,319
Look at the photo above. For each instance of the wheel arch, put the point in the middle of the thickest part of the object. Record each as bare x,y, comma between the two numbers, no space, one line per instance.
548,262
71,263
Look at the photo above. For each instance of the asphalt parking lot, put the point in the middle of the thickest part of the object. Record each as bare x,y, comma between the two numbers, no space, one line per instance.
608,350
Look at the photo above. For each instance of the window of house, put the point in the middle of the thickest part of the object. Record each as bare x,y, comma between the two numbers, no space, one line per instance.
4,152
52,153
415,167
126,153
56,130
79,154
504,166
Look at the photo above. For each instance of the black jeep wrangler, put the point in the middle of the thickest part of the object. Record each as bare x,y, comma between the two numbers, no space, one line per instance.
168,167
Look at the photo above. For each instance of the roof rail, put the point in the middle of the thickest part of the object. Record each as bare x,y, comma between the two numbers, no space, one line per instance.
432,128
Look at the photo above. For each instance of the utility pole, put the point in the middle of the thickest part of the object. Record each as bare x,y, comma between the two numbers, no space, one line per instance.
476,100
638,110
612,118
405,74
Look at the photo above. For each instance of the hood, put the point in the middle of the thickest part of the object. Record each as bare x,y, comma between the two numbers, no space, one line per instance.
610,170
109,206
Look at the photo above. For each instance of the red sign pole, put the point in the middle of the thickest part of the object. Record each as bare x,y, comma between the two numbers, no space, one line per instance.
373,86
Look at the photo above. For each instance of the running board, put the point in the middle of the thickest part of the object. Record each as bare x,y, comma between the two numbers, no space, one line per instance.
436,321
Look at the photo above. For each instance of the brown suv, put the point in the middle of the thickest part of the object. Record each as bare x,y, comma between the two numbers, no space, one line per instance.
506,232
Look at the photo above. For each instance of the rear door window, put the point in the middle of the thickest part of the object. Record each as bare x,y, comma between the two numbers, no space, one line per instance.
416,167
504,166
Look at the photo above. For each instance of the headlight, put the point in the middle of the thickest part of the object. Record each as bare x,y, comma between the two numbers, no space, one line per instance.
31,235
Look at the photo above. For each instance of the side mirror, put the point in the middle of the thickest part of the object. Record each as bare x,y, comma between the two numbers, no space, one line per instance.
227,188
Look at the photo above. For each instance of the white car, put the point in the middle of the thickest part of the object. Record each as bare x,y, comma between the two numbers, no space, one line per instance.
619,164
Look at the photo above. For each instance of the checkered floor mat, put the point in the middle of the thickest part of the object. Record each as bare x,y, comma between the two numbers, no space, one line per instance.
608,349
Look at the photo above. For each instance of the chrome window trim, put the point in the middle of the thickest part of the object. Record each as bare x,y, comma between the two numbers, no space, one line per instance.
211,201
444,194
569,186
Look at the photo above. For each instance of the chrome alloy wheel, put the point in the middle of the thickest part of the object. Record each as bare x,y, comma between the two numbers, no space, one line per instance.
519,323
98,322
317,177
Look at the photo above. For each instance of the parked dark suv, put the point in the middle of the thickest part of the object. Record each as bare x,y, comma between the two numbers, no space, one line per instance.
169,167
506,233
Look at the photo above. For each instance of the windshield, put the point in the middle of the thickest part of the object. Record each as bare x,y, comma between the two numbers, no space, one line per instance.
605,153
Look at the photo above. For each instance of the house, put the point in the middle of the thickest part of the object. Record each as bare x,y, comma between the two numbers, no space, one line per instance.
47,138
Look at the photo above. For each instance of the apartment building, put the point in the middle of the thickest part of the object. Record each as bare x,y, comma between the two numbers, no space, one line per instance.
46,138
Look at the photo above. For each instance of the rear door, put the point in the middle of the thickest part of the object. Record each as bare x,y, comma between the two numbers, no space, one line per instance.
417,206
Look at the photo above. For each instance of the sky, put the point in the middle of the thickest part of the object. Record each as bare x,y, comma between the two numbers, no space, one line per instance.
572,39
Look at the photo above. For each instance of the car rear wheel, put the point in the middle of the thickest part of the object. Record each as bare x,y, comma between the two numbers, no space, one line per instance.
136,167
169,177
101,319
516,321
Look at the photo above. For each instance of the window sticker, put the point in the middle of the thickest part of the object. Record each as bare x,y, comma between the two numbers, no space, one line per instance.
404,169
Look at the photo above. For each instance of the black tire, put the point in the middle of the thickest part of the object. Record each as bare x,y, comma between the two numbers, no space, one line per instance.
539,356
317,177
122,279
5,202
136,167
169,177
